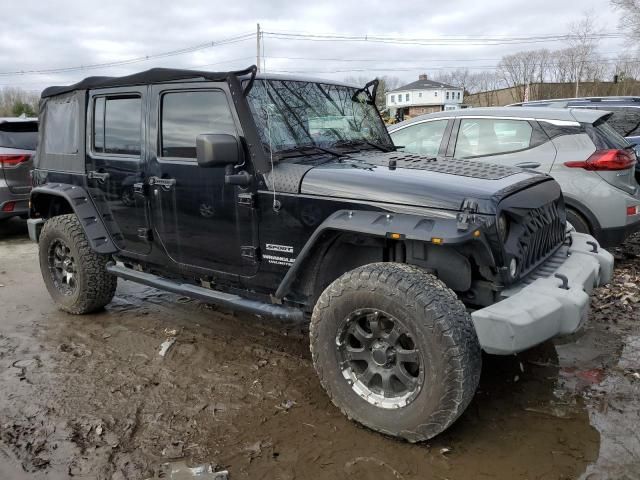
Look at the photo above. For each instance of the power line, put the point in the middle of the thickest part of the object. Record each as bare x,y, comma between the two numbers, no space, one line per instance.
439,41
171,53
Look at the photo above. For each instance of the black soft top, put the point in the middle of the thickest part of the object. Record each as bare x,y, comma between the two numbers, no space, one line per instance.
154,75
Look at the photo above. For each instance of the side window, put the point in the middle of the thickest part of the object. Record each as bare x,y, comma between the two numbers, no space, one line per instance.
117,125
478,137
422,138
185,115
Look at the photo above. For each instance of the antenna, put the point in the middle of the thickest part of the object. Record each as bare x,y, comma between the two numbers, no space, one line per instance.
258,47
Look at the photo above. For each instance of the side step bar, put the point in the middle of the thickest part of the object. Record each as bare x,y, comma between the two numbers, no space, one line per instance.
228,300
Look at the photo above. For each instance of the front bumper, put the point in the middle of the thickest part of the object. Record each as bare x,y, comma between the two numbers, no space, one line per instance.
538,307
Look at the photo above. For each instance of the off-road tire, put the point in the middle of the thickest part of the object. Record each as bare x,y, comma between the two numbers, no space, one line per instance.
95,286
444,334
578,221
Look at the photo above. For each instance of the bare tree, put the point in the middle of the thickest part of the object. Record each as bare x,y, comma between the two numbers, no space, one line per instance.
630,19
13,99
523,68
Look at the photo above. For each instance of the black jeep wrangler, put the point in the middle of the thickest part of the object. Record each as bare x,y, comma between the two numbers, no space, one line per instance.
285,197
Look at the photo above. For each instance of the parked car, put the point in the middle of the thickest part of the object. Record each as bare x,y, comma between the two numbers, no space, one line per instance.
310,214
625,118
592,163
18,139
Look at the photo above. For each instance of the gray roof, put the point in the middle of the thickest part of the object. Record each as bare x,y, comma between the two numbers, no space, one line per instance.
424,85
583,115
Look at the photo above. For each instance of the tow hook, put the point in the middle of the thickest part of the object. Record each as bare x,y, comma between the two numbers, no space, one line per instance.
565,281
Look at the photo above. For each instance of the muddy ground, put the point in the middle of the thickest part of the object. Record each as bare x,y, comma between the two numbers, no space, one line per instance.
90,396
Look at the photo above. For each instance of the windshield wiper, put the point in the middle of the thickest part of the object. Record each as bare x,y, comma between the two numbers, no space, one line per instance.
355,143
307,148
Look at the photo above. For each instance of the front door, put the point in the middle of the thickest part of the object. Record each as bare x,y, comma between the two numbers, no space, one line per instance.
115,164
200,221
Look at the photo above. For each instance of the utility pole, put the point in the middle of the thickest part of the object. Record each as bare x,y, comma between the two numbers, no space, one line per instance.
258,48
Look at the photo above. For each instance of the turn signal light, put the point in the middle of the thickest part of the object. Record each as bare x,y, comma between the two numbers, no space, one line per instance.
606,160
436,240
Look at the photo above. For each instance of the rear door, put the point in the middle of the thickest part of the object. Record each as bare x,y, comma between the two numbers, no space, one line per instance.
506,141
115,163
18,142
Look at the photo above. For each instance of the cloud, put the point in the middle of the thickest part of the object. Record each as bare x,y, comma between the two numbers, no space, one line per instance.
64,33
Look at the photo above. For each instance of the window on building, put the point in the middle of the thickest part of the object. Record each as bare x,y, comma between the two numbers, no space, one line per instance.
393,98
435,94
406,97
458,95
484,136
447,95
421,138
185,115
419,94
117,125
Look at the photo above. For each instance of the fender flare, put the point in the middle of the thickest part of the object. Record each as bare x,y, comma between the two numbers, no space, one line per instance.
395,226
92,222
573,204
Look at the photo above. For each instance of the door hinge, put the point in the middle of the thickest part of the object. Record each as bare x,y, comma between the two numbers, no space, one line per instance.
249,252
467,215
145,234
246,200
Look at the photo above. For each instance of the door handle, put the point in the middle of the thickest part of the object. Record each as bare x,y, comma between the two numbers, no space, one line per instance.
528,165
100,176
166,183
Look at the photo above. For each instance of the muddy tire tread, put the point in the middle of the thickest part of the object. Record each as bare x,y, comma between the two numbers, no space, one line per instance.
450,321
100,286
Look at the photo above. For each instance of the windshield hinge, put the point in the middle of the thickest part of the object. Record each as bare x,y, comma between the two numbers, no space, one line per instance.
467,214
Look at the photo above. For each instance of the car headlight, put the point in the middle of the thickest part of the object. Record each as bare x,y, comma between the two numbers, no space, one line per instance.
503,227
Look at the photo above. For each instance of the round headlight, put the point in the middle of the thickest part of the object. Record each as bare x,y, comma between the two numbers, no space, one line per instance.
513,268
503,227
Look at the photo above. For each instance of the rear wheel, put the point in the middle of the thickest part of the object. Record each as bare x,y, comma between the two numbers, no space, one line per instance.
395,350
75,275
578,221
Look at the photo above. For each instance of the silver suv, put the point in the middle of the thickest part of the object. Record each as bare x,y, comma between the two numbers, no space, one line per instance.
593,164
18,139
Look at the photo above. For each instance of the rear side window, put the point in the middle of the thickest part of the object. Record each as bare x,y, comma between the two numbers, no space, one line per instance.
604,136
422,138
185,115
117,125
484,136
21,135
625,121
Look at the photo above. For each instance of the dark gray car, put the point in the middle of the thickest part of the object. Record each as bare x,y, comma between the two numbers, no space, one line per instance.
18,140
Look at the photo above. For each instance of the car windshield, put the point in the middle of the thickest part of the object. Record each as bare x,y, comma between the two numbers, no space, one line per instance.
298,114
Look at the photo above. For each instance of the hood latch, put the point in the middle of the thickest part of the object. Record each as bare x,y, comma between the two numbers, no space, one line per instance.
467,215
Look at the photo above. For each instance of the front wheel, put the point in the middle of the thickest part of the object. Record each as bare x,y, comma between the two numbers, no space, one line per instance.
395,350
75,276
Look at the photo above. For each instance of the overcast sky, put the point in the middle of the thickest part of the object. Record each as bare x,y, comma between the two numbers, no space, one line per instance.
48,34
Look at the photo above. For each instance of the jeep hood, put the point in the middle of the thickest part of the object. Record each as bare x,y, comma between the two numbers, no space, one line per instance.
413,180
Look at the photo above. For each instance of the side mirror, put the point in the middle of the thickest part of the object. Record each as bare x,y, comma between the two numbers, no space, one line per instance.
217,150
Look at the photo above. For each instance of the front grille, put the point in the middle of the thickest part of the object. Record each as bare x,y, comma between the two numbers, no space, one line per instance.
542,232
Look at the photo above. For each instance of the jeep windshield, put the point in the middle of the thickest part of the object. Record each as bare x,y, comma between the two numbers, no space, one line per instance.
301,117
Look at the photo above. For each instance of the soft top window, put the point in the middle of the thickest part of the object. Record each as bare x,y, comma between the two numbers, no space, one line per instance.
61,125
